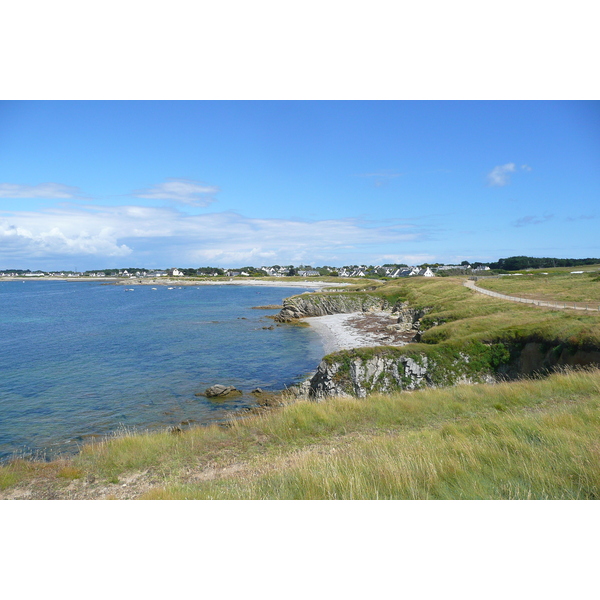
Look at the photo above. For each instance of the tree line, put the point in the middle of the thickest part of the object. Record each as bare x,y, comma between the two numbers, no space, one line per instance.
518,263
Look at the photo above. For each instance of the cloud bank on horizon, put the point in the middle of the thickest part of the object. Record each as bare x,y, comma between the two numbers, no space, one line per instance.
295,182
217,238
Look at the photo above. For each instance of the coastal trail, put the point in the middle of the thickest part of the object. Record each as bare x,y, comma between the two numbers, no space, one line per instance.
535,301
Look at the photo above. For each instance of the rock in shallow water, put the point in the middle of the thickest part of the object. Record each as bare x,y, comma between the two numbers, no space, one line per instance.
221,390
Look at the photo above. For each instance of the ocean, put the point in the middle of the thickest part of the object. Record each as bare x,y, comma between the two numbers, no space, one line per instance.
79,360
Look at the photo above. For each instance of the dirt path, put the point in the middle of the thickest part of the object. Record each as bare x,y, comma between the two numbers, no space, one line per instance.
536,301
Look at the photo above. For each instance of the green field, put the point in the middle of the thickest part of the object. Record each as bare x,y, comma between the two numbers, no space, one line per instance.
460,315
560,286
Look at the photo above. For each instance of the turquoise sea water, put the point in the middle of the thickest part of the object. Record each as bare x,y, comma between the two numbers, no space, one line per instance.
81,360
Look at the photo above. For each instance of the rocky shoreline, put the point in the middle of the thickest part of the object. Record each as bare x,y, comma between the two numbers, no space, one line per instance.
352,321
357,330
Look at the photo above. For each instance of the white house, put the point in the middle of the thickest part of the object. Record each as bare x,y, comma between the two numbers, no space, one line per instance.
406,272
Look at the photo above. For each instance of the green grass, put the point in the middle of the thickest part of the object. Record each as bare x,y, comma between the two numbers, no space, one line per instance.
564,287
524,439
460,315
530,439
21,470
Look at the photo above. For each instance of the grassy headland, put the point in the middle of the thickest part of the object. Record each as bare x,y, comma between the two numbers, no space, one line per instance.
460,314
466,335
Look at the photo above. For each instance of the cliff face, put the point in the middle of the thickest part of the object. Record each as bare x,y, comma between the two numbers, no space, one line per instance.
361,372
360,375
538,357
318,305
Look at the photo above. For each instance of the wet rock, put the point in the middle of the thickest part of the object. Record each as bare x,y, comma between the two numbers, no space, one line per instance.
219,390
317,305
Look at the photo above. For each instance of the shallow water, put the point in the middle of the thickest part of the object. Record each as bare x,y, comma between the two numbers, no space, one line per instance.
80,360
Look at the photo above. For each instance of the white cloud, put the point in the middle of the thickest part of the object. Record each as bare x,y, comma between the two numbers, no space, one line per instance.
225,256
185,191
526,167
42,190
500,176
42,242
409,259
167,236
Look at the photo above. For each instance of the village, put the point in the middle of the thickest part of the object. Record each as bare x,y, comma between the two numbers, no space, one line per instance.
354,271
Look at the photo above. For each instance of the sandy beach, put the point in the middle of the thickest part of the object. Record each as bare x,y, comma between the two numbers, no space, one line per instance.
174,281
357,330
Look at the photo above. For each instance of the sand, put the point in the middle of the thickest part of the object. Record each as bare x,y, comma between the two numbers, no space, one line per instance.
317,285
357,330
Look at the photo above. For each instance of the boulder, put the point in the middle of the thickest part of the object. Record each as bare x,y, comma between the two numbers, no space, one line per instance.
220,390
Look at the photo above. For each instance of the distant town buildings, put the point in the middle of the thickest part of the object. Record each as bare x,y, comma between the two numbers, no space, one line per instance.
353,271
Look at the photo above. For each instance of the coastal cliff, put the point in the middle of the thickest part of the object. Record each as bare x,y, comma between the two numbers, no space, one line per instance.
321,304
454,343
385,369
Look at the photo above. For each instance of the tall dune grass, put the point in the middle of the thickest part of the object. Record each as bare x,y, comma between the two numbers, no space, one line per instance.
530,439
535,438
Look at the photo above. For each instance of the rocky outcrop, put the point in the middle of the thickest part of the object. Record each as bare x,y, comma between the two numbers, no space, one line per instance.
318,305
361,372
408,318
360,376
218,390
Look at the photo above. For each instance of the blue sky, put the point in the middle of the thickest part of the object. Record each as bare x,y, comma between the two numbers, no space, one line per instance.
100,184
